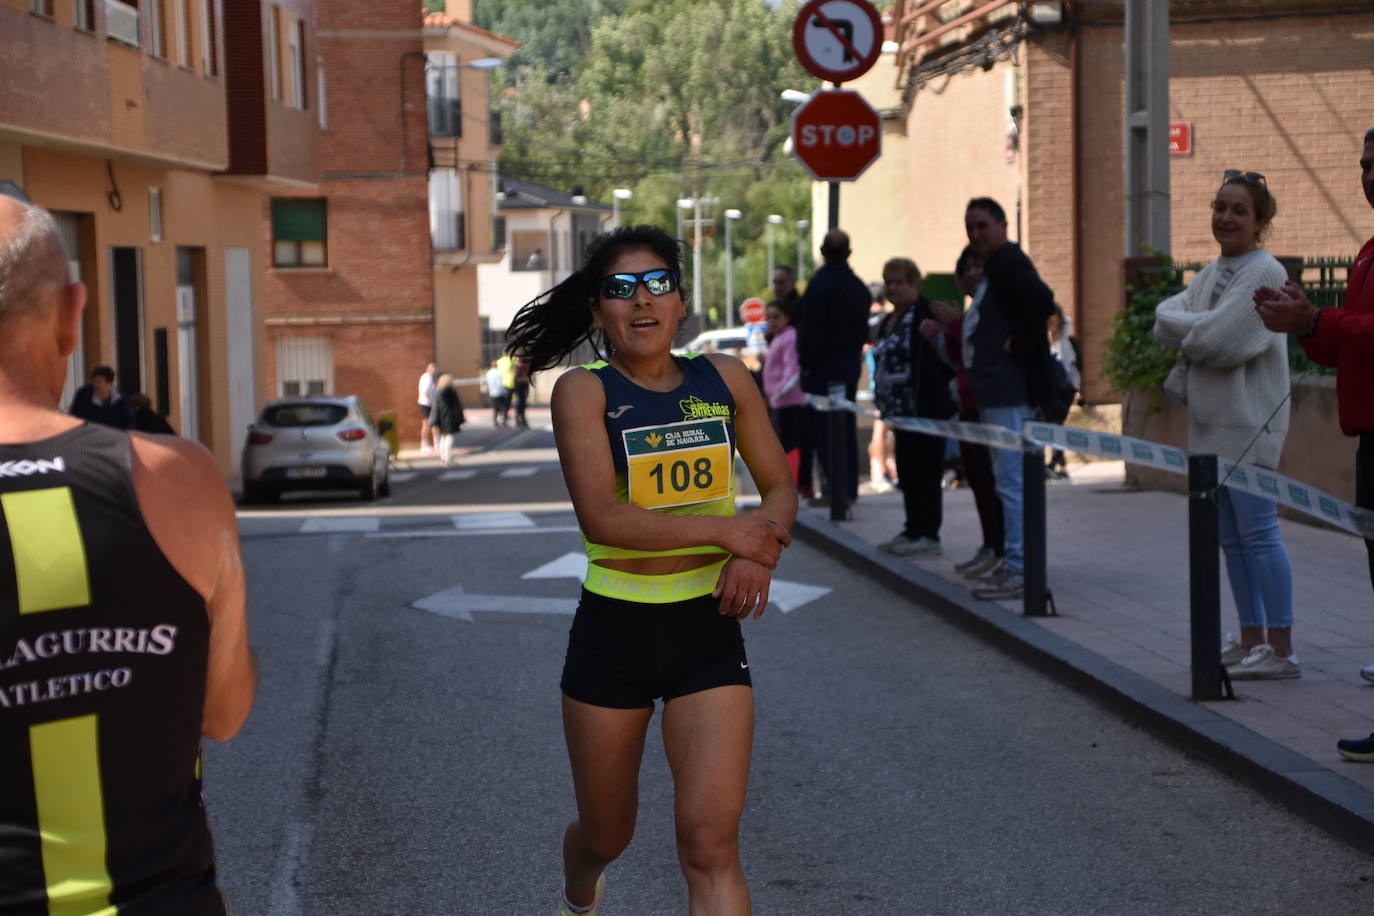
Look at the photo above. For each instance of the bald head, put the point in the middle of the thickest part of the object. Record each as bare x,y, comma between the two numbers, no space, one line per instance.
835,245
33,265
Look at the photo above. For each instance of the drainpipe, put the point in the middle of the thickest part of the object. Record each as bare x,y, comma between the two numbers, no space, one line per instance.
1076,158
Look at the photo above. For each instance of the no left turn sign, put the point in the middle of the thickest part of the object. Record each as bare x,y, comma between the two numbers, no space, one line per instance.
837,40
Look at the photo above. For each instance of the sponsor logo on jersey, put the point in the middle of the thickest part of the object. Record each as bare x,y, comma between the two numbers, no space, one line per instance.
654,440
615,414
694,408
26,468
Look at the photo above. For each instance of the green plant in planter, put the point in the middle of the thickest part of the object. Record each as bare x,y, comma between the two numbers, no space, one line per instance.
1133,361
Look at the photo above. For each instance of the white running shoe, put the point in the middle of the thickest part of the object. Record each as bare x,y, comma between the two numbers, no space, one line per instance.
1263,665
1232,652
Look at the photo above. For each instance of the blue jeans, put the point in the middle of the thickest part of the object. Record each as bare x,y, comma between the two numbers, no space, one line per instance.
1006,467
1256,561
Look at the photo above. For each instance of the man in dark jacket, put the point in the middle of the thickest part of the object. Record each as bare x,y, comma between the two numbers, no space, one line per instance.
832,327
101,401
1006,348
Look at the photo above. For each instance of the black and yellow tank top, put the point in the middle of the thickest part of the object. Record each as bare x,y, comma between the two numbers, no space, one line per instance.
674,451
103,649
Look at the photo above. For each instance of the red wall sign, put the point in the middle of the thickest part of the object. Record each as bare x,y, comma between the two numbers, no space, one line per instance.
1180,138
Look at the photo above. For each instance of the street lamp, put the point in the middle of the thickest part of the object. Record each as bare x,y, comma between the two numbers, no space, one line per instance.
730,216
619,194
802,226
773,220
795,96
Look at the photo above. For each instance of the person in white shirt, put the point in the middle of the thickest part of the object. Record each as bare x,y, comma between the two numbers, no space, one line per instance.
1233,376
426,401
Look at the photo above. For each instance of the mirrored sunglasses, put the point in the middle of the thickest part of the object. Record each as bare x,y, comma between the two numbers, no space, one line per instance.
1252,177
622,286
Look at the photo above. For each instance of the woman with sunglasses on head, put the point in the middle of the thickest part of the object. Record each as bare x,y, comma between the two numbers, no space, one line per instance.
1233,376
647,442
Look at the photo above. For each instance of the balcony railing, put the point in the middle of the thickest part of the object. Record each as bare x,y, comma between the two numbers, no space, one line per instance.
121,22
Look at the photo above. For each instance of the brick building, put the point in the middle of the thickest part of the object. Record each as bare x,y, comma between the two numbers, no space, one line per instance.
1024,102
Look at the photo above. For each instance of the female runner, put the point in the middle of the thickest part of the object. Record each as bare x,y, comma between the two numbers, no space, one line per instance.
647,443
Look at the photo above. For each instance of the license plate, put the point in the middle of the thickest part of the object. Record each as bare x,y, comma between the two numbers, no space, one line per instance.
297,473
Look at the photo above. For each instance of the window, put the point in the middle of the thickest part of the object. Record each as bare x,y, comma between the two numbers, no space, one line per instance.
157,44
182,25
41,7
305,366
121,22
298,232
84,15
447,231
155,214
441,94
273,53
209,64
529,250
498,233
295,57
494,120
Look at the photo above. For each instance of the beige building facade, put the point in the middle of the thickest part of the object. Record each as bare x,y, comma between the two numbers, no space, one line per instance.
128,157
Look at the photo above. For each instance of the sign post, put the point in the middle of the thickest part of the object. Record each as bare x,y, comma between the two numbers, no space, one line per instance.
836,40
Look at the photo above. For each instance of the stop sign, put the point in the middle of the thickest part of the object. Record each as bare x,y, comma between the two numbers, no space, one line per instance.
751,310
836,135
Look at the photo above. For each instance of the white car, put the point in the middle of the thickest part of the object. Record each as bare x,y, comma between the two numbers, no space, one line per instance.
315,443
734,341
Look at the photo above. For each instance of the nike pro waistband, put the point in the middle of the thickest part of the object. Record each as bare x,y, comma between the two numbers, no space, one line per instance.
665,589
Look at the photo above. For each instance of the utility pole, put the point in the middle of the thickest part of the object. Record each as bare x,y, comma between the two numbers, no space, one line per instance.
1147,126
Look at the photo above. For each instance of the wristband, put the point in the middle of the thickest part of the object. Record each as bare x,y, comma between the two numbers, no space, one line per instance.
1316,320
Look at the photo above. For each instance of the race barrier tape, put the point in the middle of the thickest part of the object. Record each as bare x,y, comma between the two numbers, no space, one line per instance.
1249,478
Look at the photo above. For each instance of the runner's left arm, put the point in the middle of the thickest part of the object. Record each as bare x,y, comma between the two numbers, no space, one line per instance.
743,585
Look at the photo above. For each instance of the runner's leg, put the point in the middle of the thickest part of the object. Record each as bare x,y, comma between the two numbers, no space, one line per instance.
708,737
604,748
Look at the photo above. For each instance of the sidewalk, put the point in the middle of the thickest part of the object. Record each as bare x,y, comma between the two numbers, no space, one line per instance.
1118,570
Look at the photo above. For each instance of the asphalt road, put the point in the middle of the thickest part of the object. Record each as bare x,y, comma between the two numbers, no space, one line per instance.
410,761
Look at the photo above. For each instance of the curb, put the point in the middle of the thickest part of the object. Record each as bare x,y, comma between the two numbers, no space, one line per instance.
1330,801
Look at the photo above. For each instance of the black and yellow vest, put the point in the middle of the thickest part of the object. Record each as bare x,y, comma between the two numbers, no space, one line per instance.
103,649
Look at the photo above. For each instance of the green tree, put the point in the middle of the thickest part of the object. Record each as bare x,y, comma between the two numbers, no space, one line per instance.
555,33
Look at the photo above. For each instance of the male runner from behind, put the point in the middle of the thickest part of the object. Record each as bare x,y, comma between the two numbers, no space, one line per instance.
123,634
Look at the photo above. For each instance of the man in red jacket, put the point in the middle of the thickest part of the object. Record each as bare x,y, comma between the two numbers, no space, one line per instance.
1343,338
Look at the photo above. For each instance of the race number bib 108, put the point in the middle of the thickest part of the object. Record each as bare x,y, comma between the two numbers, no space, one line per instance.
678,464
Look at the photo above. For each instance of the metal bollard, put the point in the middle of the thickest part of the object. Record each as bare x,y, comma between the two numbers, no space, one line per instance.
1204,577
1037,601
838,471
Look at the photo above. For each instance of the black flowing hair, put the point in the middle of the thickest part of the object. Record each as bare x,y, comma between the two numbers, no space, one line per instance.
555,323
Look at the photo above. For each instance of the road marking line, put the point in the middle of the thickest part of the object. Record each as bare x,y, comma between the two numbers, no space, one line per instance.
493,520
520,472
472,532
465,474
403,476
366,523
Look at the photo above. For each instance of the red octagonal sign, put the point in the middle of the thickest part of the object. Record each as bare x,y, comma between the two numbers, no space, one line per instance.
837,135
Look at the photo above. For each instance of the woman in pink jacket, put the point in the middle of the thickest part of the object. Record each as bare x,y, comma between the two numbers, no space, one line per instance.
782,388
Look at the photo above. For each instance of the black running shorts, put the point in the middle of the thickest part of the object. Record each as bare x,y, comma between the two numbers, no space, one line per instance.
626,654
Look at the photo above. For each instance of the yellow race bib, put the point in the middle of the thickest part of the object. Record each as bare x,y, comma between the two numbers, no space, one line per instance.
678,464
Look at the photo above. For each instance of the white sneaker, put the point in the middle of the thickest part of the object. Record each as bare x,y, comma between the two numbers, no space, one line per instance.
1232,652
1263,665
1367,672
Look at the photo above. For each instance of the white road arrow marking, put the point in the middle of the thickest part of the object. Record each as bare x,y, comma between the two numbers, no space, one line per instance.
787,595
458,604
568,566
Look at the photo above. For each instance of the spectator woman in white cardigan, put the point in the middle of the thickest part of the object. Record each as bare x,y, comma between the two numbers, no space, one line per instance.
1233,376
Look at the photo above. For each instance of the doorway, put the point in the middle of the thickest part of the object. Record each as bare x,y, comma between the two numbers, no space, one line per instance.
126,266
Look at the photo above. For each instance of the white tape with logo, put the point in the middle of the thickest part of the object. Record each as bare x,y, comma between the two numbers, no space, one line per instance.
1249,478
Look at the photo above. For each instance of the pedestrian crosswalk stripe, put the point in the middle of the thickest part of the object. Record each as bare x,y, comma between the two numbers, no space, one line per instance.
492,520
49,555
466,474
401,477
520,472
346,523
